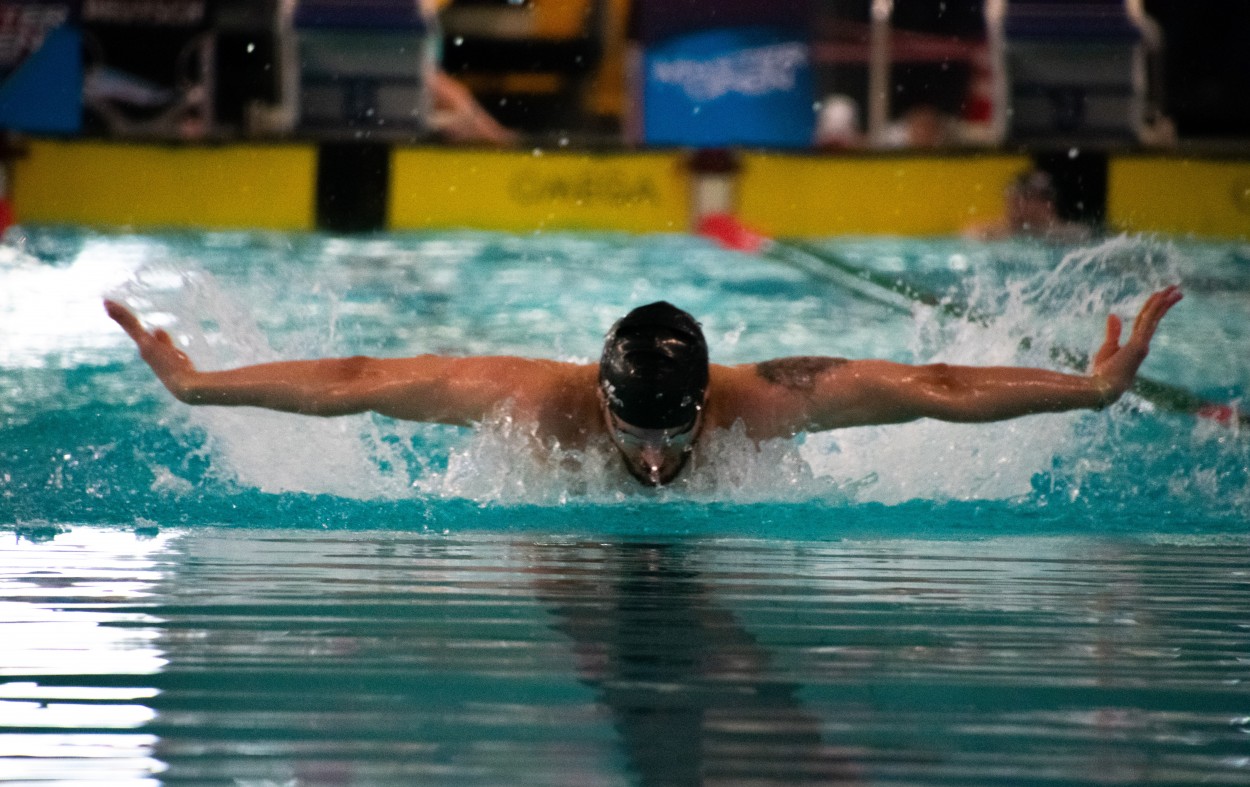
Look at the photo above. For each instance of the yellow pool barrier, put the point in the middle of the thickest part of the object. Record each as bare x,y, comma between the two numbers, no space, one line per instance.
275,186
1207,197
528,191
146,186
885,194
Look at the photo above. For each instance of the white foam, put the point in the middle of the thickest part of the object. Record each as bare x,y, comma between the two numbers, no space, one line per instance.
1063,309
368,457
506,462
272,452
52,313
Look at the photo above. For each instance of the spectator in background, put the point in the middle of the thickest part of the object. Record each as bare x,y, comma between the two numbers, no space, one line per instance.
837,124
1030,211
923,126
458,116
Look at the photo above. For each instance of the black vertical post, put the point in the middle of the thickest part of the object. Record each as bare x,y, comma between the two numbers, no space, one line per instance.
1081,179
353,186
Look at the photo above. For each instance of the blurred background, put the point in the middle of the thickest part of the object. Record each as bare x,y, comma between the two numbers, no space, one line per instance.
829,77
788,73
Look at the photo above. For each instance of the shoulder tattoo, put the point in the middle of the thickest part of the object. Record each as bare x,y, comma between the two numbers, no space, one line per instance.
798,373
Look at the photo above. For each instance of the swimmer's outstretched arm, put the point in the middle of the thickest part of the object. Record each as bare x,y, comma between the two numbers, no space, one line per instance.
430,388
857,393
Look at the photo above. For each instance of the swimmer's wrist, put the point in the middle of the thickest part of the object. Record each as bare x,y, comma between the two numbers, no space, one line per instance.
181,389
1104,392
183,386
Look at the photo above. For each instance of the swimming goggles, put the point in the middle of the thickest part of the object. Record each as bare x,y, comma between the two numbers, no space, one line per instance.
680,438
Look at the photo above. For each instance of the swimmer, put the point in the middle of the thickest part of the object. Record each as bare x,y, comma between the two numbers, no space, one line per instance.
1030,211
653,393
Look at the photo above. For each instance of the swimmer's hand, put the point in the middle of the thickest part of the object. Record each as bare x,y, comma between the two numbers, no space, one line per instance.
1116,365
172,366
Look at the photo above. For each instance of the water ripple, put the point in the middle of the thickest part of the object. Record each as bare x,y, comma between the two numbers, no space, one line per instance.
210,655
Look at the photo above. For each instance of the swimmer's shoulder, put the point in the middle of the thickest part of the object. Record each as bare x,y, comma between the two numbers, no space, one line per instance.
791,374
774,398
563,399
750,393
988,231
536,380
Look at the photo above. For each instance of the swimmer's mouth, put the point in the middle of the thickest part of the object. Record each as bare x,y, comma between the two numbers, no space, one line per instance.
655,476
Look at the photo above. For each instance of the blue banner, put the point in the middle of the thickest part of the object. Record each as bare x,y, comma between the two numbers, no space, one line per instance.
41,70
739,86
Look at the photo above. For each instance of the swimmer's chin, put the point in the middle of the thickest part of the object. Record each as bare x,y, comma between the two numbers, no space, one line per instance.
657,480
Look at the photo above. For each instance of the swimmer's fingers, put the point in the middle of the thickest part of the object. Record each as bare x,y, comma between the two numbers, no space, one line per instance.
134,329
1115,366
1110,345
1152,312
156,348
127,320
1144,327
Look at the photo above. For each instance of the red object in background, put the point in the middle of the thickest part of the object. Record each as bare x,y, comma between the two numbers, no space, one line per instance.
6,214
1223,414
731,233
979,102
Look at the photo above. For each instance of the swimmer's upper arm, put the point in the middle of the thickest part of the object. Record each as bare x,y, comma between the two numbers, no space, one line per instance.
432,388
814,393
785,396
437,389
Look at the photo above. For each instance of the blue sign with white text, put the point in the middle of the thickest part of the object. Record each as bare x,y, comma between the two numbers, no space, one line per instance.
737,86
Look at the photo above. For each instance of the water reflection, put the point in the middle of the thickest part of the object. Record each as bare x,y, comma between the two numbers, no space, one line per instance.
346,658
305,657
298,656
694,696
78,654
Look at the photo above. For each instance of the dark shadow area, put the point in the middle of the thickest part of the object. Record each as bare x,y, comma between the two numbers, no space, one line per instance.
694,696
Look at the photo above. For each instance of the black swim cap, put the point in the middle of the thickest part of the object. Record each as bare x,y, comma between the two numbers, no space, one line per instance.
653,371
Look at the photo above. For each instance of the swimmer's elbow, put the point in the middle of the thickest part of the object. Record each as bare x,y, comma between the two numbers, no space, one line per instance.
341,387
193,389
324,404
945,392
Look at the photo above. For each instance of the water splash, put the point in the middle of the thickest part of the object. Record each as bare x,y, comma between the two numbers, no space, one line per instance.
51,313
272,452
1067,457
1048,319
507,462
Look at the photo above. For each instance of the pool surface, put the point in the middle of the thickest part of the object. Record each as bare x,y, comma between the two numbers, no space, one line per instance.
232,596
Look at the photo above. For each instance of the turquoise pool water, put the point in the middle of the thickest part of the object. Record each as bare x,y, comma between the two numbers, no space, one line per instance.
213,596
